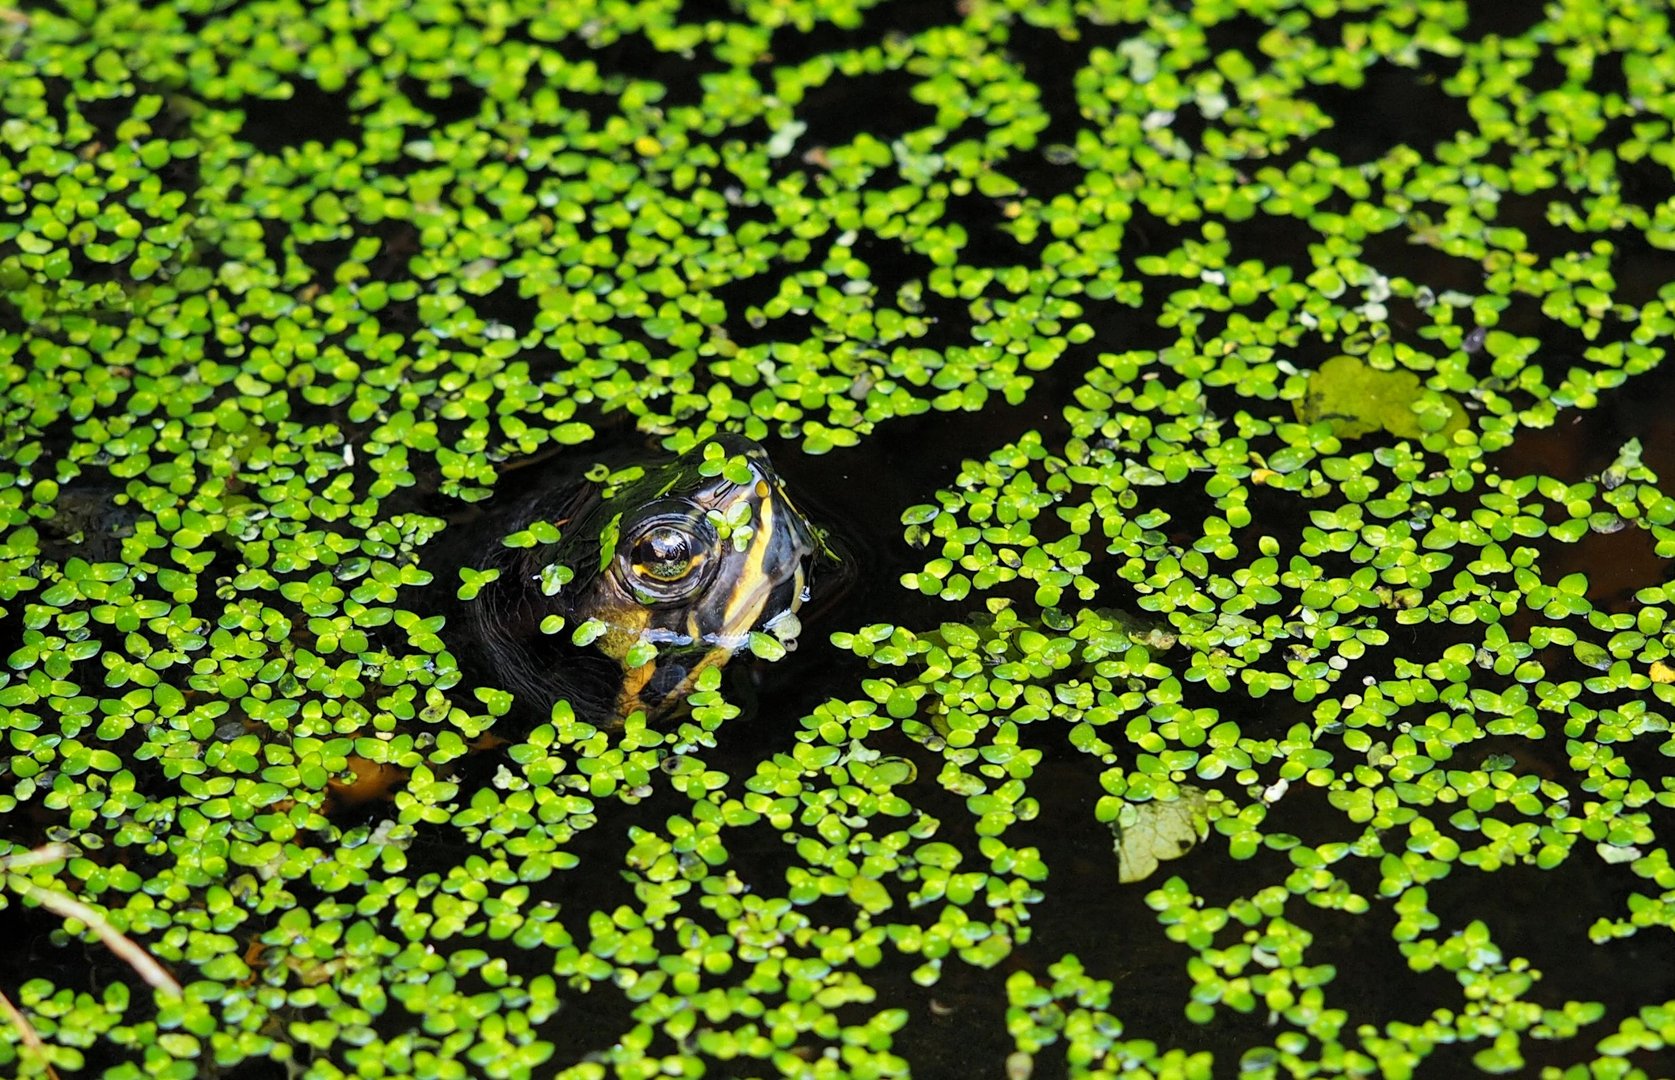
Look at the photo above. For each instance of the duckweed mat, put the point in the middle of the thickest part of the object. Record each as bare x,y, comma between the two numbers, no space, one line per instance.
1251,417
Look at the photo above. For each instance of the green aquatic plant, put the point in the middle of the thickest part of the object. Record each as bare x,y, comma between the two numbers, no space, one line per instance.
1269,551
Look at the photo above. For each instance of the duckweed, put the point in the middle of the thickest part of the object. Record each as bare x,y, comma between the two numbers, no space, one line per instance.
1279,592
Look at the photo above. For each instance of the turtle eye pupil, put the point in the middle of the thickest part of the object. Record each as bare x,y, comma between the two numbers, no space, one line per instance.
664,554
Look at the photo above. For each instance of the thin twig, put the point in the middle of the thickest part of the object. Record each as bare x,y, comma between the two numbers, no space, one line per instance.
44,854
68,907
26,1031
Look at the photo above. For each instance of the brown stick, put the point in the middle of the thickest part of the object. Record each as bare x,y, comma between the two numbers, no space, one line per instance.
26,1031
66,906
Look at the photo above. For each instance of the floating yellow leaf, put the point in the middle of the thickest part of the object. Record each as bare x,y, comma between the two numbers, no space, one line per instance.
1149,833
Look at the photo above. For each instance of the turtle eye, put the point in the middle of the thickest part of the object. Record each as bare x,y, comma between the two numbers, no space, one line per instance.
665,554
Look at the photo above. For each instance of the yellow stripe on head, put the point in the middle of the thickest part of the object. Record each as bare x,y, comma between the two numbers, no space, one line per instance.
745,606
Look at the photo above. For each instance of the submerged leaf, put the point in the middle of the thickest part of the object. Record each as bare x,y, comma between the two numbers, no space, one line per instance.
1357,399
1149,833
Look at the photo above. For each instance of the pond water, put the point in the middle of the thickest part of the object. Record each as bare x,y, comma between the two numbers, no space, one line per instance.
1242,426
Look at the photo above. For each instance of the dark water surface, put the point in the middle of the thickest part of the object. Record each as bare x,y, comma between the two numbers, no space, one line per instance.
959,1025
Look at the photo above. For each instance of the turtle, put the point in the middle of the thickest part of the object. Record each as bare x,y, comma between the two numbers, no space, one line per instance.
653,573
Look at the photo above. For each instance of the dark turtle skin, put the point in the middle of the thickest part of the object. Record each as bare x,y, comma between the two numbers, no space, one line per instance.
683,561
